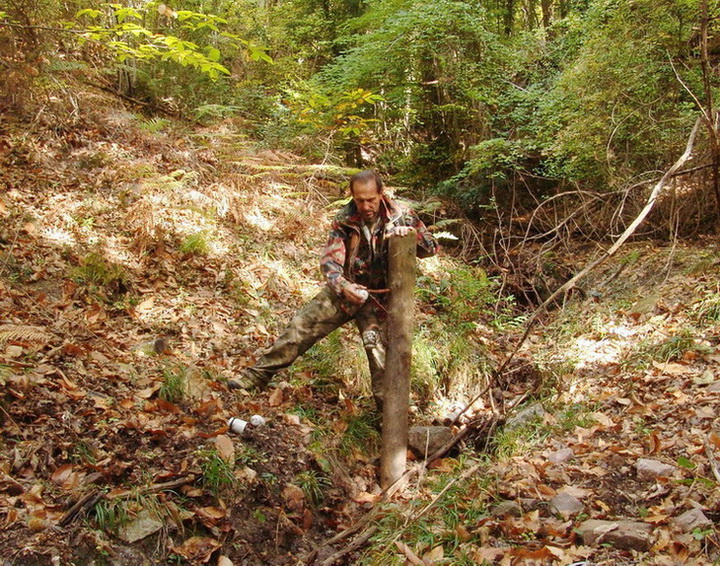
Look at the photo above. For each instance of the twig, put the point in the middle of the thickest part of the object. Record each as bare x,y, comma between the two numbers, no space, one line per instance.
10,417
81,507
712,460
354,545
43,28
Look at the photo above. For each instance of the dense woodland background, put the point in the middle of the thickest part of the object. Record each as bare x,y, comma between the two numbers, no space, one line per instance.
503,106
167,175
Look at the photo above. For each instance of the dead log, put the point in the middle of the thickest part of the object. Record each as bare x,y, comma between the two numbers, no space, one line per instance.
396,383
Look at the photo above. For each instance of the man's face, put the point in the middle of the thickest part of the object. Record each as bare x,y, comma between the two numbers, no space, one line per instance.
367,199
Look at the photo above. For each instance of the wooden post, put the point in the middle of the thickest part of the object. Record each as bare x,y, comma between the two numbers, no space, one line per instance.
396,383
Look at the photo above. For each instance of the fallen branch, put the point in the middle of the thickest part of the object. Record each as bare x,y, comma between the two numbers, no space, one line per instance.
400,483
91,499
81,507
354,545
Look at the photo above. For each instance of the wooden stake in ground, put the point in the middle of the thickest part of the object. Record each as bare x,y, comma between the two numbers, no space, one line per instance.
396,385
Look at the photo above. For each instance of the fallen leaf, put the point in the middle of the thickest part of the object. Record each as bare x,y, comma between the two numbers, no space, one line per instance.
276,397
225,448
672,368
291,419
294,497
146,305
365,497
434,555
65,477
442,465
412,558
198,549
210,515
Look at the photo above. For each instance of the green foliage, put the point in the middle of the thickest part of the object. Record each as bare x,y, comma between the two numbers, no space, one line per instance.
196,244
670,349
174,385
341,113
110,514
520,437
423,525
618,92
313,484
361,434
707,311
217,474
106,279
135,33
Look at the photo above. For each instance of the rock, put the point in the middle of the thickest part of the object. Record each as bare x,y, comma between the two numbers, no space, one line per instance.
653,469
566,505
626,535
145,524
526,415
561,456
507,509
691,520
425,440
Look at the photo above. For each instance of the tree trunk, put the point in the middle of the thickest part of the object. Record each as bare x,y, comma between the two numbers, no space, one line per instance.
709,110
509,17
396,383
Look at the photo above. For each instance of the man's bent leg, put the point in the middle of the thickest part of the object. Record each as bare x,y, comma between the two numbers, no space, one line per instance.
374,336
314,321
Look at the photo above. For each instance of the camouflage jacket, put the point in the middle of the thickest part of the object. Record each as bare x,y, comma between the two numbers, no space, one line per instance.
355,253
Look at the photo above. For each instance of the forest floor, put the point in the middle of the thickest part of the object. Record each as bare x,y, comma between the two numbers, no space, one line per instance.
142,265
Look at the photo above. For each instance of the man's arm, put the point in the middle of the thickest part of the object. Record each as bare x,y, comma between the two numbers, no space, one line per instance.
332,261
426,244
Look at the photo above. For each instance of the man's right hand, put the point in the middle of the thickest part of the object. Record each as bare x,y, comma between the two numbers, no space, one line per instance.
354,294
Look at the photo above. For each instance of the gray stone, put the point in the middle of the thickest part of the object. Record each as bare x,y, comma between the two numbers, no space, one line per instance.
691,520
566,505
653,469
526,415
425,440
626,535
507,509
561,456
142,526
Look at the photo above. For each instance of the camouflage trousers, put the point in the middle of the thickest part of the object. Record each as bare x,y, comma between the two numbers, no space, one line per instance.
313,322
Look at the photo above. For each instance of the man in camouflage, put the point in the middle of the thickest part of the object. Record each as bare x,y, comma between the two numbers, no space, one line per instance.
355,265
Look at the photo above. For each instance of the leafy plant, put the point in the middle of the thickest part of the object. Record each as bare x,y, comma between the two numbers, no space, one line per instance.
217,473
109,279
197,244
126,35
313,484
110,514
154,125
707,311
670,349
174,385
361,434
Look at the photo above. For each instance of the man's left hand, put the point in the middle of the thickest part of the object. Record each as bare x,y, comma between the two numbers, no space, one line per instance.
400,231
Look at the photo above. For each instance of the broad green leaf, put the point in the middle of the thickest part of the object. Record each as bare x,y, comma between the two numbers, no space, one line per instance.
86,12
